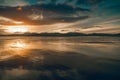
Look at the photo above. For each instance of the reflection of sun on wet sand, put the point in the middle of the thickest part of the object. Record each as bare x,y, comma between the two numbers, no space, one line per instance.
17,47
18,44
13,48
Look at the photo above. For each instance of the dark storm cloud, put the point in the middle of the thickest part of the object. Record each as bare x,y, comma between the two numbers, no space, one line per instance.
88,1
78,2
51,13
53,1
62,8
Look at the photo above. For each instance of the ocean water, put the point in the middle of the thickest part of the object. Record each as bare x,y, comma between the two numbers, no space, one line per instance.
60,58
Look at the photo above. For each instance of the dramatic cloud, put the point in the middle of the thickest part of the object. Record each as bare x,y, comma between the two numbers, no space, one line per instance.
46,13
4,20
75,14
17,2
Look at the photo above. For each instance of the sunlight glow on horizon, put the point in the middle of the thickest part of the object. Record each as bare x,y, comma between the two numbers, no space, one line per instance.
19,29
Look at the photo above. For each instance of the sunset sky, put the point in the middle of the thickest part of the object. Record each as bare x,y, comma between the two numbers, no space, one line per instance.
86,16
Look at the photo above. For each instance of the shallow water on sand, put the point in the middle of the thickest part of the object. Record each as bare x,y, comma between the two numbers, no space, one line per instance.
59,58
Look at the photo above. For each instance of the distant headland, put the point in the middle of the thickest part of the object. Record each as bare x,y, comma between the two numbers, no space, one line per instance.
69,34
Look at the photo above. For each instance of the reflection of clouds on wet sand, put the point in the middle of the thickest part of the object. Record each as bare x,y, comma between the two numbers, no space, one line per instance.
35,48
55,74
46,58
97,49
58,72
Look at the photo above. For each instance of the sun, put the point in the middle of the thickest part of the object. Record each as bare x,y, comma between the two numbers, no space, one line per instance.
19,29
